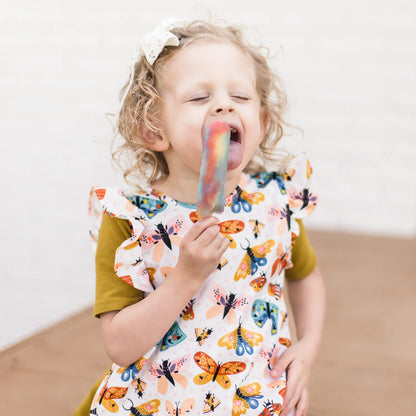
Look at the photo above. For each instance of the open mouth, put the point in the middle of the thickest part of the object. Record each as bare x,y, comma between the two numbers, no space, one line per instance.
234,135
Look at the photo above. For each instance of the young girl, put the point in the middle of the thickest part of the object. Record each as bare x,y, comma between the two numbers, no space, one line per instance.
194,317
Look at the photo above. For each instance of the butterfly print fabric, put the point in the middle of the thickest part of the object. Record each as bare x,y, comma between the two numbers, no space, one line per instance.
215,357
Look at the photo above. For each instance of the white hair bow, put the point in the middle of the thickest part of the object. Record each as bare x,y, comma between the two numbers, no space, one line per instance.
152,44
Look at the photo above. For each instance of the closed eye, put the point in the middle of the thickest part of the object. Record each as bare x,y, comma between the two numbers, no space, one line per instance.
199,98
241,97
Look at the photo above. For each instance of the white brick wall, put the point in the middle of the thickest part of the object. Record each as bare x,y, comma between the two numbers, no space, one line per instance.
350,72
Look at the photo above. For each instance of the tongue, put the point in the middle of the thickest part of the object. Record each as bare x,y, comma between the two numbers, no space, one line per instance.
235,155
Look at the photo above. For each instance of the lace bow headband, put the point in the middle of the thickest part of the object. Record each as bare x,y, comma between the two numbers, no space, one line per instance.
152,45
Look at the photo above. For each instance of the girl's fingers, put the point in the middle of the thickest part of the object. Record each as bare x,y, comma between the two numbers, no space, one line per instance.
303,403
292,397
208,236
199,227
224,242
281,363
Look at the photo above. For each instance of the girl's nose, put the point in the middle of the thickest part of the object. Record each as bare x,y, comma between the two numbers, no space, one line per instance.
224,109
222,105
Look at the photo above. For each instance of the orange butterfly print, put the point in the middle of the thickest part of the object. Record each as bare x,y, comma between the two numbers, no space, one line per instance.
146,409
285,341
188,312
167,372
226,227
275,290
258,283
214,371
107,395
186,408
282,262
271,409
226,304
254,257
245,398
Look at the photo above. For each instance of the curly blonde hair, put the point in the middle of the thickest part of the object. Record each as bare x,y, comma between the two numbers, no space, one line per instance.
138,118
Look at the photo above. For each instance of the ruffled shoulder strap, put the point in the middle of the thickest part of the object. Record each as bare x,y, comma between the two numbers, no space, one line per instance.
129,264
298,180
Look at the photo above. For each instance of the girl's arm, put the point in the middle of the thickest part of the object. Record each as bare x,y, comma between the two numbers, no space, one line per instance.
307,300
131,332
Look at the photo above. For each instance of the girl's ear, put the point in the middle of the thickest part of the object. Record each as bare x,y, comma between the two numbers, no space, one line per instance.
264,121
155,141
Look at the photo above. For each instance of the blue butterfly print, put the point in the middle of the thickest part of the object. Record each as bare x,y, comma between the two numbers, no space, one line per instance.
130,372
173,337
264,178
244,200
241,340
255,257
262,311
149,206
249,395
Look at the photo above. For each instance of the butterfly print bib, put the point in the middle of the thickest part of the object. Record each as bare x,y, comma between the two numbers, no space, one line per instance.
216,356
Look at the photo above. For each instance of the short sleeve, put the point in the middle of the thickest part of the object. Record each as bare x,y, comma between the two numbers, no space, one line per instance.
112,293
129,264
303,256
298,178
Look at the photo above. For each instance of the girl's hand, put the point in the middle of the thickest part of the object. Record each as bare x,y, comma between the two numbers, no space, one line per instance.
297,360
201,249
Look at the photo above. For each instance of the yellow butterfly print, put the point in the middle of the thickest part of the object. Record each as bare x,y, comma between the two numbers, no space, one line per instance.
257,227
309,169
288,174
214,371
210,403
254,257
202,334
241,340
244,200
245,398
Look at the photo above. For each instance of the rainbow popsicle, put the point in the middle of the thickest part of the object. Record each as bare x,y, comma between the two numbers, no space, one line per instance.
211,188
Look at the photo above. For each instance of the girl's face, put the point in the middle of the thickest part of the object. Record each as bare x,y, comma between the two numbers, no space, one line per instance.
204,82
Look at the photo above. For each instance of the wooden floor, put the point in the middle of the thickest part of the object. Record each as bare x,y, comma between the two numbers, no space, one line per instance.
367,365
